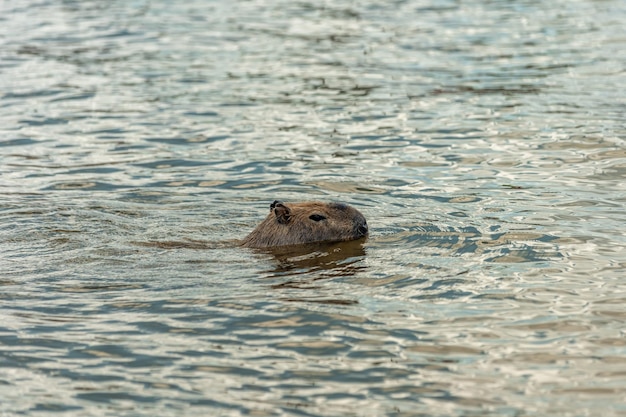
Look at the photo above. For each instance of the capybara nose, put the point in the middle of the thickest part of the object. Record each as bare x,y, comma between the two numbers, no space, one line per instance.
362,229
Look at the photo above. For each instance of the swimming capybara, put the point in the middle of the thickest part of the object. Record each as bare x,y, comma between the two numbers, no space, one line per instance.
309,222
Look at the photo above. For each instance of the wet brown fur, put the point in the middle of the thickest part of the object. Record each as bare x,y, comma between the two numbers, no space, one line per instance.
291,224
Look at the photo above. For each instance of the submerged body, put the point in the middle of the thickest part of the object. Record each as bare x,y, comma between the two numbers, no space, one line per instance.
300,223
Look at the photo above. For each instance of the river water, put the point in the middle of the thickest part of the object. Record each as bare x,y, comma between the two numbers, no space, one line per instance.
485,142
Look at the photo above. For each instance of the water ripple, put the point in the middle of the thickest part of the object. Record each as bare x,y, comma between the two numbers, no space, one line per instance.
140,141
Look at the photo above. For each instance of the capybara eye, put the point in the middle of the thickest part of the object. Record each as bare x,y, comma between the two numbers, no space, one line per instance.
317,217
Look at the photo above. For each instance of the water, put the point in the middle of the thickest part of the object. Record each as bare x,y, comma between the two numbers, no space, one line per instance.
484,141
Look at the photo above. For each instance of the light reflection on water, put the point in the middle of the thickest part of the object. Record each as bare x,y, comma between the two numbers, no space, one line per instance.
484,142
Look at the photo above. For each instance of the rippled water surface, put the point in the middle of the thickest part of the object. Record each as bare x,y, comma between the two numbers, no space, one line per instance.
485,142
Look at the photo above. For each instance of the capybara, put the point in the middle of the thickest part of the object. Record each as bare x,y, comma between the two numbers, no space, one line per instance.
309,222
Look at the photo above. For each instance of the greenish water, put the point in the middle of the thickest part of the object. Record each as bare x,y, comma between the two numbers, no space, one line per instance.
485,143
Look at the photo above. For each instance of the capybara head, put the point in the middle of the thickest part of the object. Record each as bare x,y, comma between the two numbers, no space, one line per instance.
309,222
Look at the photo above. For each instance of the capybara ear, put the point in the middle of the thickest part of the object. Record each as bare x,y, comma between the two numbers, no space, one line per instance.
282,212
273,205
